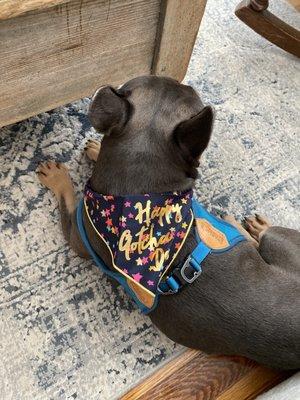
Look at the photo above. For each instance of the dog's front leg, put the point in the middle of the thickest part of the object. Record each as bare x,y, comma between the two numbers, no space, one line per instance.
55,176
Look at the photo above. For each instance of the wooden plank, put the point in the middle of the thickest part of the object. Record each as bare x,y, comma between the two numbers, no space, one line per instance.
13,8
257,381
55,56
295,3
177,31
194,375
163,374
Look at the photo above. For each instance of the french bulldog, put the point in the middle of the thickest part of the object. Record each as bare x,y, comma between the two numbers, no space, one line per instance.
246,301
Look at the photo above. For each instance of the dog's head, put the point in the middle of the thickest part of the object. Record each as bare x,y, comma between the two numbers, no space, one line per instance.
155,121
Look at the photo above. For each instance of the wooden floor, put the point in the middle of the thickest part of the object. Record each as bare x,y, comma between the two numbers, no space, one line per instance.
194,375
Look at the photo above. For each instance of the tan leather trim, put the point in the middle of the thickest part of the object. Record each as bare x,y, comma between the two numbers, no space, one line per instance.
143,296
211,236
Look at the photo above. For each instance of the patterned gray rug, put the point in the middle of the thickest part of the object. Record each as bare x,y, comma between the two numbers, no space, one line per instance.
65,333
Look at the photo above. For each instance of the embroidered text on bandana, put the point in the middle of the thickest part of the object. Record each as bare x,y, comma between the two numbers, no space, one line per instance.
143,233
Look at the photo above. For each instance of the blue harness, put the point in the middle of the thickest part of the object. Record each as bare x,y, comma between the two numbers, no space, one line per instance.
213,234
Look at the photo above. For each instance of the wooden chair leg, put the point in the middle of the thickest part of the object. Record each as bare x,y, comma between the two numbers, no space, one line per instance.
259,5
176,35
254,13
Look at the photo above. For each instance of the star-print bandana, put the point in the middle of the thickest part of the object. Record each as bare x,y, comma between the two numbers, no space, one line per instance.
143,232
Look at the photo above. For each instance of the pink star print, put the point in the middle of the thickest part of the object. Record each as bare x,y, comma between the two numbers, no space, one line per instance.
180,234
125,271
112,207
150,283
127,204
130,215
145,260
107,212
177,246
137,277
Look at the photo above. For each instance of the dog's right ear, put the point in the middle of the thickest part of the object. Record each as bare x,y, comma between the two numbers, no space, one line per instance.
192,136
108,111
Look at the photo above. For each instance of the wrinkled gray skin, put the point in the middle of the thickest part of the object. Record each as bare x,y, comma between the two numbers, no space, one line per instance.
246,301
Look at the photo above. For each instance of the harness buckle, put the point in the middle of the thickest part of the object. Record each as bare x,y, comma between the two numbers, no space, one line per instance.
196,270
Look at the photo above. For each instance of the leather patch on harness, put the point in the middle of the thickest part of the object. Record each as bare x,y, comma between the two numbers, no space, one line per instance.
211,236
141,294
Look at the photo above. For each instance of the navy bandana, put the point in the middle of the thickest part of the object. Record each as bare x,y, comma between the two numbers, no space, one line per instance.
143,233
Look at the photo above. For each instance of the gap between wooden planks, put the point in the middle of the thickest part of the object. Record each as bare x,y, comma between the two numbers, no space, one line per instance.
195,375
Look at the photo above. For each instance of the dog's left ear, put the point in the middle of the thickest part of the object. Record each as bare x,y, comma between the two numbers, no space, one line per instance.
108,111
192,136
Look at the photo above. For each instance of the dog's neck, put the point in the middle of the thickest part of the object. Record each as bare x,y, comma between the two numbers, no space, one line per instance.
122,170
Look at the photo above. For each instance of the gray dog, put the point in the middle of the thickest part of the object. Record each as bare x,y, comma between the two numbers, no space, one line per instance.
246,300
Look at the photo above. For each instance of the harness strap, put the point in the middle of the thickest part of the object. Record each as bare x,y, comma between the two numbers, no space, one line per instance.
187,272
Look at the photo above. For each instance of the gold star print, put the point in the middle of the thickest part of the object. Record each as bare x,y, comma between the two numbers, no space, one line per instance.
184,225
139,261
183,201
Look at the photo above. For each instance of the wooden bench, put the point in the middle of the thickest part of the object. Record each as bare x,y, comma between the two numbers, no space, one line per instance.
55,51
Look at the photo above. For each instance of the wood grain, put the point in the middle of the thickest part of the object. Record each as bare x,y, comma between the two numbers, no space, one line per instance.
255,382
13,8
177,31
295,3
54,56
194,375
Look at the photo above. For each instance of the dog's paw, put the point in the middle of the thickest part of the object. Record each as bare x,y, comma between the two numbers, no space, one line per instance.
92,149
54,176
256,226
231,220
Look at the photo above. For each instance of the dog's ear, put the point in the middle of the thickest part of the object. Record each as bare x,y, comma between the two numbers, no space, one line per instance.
192,136
108,111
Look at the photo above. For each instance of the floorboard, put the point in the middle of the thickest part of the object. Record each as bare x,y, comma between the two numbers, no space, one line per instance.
195,375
